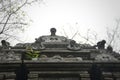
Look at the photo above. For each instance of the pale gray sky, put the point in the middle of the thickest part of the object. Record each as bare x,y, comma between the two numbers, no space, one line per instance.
72,16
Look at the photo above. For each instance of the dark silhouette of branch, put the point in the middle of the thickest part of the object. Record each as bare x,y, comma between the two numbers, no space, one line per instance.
74,34
86,38
15,23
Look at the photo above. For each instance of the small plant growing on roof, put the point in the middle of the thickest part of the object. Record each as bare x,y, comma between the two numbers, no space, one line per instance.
30,53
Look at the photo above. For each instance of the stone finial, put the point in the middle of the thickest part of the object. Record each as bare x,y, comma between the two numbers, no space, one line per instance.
5,44
101,44
110,49
53,31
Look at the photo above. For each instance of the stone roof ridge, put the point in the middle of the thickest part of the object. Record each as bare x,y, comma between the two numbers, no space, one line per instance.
54,41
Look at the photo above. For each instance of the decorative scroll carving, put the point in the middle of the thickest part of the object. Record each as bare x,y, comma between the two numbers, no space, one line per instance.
9,56
37,45
73,45
56,58
105,57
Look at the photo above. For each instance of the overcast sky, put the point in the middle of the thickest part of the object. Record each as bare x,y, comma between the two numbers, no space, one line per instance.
72,16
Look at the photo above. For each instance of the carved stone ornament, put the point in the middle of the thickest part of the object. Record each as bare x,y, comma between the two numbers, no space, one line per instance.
56,58
9,56
101,44
73,46
105,57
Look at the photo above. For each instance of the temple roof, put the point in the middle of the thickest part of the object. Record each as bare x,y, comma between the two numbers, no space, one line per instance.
59,48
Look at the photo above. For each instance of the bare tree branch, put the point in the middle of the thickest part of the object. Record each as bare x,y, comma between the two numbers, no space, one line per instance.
12,16
74,34
87,39
114,32
14,37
